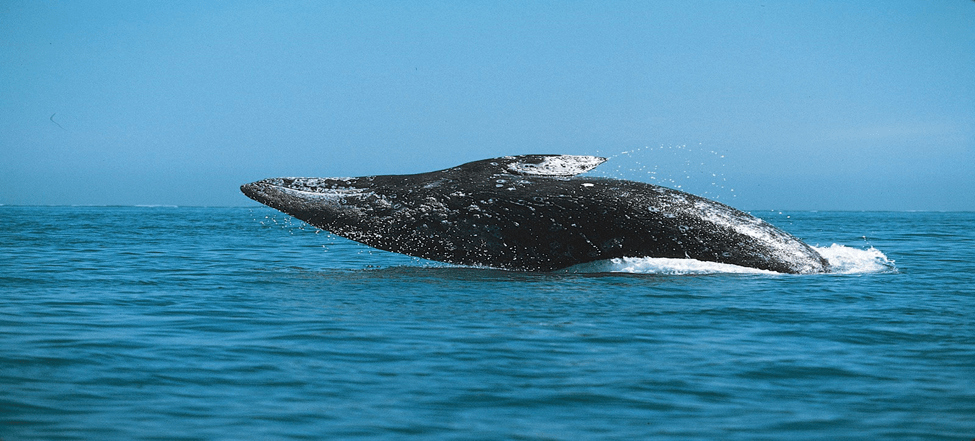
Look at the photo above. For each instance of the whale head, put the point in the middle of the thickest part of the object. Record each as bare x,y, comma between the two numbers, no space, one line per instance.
344,204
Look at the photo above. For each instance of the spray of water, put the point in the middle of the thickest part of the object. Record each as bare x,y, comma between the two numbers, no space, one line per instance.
694,169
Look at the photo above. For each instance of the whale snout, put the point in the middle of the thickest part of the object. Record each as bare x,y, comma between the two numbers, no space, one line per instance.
257,191
261,190
310,185
312,198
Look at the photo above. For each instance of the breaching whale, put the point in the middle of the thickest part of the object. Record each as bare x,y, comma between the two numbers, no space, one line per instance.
533,213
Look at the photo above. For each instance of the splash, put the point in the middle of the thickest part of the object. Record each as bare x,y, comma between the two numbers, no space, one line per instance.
848,260
842,260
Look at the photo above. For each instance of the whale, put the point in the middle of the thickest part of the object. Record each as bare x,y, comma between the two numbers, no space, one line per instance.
533,213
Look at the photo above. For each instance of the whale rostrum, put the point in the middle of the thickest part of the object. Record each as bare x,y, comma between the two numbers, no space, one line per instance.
534,213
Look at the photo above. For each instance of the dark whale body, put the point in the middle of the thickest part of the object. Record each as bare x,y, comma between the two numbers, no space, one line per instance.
532,213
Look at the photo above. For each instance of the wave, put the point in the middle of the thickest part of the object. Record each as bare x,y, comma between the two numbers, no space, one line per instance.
842,260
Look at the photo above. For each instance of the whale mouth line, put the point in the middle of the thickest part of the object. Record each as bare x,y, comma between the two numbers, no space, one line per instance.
303,189
327,192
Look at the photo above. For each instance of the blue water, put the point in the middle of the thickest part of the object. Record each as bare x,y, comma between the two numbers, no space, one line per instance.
137,323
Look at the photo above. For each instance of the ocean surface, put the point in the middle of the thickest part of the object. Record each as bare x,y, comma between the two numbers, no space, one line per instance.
178,323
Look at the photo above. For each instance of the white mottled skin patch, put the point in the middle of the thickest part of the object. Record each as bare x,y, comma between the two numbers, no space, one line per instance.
761,231
564,165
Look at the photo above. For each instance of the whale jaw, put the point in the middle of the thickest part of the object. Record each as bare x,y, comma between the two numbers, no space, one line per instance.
318,201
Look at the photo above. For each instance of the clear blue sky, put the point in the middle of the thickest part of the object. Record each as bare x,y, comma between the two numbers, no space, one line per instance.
851,105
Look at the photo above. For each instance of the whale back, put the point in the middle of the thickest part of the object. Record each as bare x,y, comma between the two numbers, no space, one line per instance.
530,165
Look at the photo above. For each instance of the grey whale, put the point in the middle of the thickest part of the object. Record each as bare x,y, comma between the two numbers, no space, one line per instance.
533,213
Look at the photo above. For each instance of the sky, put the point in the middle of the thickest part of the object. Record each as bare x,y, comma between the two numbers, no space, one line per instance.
794,105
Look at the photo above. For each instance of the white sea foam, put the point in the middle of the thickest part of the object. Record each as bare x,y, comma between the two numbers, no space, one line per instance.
842,260
659,265
848,260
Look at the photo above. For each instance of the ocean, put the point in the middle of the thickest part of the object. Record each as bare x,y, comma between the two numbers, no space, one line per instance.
183,323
